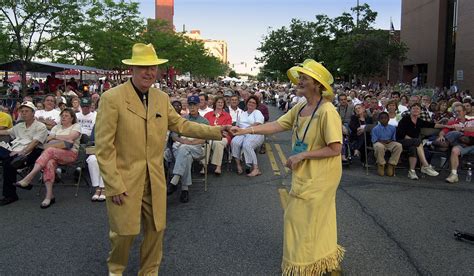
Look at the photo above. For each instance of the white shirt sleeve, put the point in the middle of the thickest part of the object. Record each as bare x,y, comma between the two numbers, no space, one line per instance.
54,130
259,117
57,117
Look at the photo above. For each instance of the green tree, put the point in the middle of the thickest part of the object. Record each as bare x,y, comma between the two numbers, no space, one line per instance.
168,44
33,24
74,49
184,54
112,28
367,54
345,45
284,47
232,74
6,42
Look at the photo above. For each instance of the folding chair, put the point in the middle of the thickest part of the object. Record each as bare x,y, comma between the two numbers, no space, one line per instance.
76,166
228,157
204,160
368,129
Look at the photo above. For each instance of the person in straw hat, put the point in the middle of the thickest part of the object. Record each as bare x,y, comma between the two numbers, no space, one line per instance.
130,139
310,234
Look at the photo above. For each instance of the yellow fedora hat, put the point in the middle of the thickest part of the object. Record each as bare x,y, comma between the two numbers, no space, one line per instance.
144,55
315,70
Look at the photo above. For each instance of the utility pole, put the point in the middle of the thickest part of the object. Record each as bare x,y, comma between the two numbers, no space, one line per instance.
357,22
390,33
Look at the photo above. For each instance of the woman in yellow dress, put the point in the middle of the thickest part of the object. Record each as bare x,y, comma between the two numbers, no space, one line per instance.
310,232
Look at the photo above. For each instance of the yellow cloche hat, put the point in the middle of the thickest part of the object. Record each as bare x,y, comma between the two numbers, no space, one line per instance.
315,70
144,55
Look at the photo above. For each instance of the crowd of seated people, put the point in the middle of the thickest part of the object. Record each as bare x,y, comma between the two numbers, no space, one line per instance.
41,131
66,111
393,122
237,106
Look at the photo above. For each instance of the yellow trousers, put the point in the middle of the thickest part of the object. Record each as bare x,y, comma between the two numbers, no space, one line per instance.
151,249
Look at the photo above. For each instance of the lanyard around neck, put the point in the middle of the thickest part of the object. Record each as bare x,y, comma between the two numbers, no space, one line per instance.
311,119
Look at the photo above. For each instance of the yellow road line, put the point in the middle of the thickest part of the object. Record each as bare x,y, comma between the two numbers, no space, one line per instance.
271,156
282,157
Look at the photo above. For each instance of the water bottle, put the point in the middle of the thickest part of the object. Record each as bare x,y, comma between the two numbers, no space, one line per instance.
469,173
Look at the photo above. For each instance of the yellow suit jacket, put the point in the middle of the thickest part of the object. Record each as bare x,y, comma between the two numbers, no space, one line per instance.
130,141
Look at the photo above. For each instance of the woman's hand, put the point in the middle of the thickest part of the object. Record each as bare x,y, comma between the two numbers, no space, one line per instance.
51,137
294,160
238,131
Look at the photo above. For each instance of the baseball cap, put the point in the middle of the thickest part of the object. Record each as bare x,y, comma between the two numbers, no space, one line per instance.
193,99
85,102
228,93
28,104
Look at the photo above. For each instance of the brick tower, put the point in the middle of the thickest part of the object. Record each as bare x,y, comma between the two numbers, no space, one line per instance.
164,10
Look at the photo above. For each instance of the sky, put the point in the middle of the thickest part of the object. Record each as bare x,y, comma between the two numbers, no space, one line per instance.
243,23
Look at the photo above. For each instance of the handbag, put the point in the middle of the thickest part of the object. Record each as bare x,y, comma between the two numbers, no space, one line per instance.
58,144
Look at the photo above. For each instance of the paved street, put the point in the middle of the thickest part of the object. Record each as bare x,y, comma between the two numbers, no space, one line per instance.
389,226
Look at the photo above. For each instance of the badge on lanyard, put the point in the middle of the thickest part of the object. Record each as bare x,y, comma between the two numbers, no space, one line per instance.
300,146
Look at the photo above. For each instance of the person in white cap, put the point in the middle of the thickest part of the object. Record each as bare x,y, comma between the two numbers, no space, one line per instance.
22,151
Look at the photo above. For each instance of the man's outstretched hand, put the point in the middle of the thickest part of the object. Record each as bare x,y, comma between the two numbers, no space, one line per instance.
225,130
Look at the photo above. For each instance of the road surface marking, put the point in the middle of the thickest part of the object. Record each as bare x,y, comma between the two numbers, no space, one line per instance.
271,156
282,157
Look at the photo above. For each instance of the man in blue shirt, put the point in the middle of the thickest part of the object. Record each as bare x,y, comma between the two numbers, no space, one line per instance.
383,139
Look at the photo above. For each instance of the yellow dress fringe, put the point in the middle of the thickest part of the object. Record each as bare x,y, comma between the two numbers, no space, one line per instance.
310,227
327,264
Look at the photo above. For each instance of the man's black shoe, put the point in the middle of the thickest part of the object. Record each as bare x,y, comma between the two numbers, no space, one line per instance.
171,189
7,200
184,197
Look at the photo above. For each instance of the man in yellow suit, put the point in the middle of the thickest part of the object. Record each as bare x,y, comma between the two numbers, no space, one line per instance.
130,138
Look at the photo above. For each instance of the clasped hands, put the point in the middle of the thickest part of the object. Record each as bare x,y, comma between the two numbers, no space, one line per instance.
235,131
292,162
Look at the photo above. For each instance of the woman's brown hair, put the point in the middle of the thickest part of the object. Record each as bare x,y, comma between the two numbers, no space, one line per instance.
71,112
255,98
217,99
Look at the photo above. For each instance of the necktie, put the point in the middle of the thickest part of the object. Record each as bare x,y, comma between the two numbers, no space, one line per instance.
144,102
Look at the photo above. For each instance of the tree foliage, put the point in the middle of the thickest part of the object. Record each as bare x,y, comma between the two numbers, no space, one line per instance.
184,54
345,44
117,26
102,38
97,33
31,25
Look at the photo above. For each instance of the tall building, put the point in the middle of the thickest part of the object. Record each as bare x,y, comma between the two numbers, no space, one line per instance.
217,48
439,36
164,10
